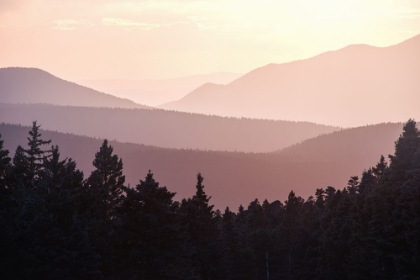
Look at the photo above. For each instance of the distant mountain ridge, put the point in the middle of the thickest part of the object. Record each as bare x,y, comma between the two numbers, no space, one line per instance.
166,128
32,85
233,178
353,86
156,92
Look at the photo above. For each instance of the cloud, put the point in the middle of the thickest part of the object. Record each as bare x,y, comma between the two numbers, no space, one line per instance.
197,18
179,22
395,14
405,13
205,23
70,24
129,24
202,23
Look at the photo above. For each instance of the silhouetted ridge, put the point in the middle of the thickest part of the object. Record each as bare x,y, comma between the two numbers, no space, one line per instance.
31,85
156,92
202,94
337,88
348,143
165,128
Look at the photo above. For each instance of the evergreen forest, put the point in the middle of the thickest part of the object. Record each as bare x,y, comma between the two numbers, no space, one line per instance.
58,223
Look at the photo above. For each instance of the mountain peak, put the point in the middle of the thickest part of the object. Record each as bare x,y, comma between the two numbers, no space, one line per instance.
325,89
414,39
33,85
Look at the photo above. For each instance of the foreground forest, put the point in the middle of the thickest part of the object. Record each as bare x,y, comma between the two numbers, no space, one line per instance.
57,223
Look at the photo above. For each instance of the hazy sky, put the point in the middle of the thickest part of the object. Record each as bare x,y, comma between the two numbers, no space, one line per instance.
88,39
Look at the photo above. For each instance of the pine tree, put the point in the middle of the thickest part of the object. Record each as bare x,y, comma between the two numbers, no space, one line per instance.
4,167
34,155
405,149
156,247
61,174
199,217
353,185
336,233
380,168
201,199
104,193
106,182
385,234
411,215
289,227
402,231
368,181
238,260
4,161
320,198
6,248
307,240
19,170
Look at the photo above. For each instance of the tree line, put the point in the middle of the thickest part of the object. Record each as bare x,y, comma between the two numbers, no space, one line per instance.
58,224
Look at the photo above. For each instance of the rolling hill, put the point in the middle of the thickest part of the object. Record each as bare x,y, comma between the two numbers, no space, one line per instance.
31,85
156,92
353,86
233,178
164,128
348,144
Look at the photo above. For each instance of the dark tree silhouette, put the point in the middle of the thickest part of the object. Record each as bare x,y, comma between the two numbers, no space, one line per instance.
70,228
35,155
107,181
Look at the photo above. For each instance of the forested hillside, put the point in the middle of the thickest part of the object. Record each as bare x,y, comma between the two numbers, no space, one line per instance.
234,178
166,129
58,223
349,144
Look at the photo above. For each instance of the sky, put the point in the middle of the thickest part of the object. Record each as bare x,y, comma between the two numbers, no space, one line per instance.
154,39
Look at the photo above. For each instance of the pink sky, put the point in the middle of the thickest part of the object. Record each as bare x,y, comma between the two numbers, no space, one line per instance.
82,39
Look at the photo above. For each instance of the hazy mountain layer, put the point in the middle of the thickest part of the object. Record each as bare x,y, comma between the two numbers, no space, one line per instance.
236,178
165,128
353,86
31,85
156,92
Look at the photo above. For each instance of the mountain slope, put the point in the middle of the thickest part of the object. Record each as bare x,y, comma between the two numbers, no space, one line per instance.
156,92
235,178
31,85
165,128
347,144
354,86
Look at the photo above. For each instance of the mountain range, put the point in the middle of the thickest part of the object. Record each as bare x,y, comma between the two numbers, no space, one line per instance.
249,150
32,85
353,86
156,92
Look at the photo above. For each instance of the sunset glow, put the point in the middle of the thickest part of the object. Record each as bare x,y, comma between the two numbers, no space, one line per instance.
166,38
209,139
